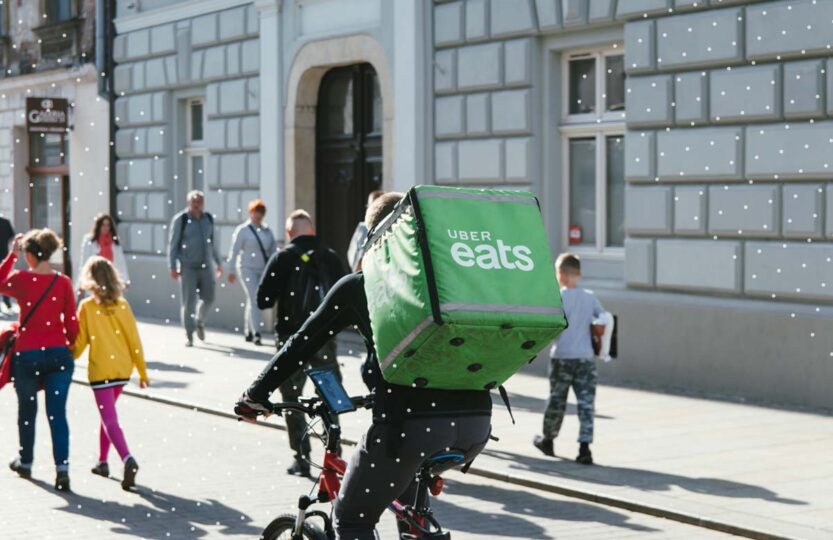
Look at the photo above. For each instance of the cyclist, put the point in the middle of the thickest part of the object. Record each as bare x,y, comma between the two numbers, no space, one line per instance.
409,424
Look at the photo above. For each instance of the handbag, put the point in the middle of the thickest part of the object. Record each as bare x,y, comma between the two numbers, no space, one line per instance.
9,335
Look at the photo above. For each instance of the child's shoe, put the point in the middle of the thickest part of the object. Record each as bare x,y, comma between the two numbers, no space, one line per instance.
21,470
544,445
130,470
102,469
62,481
585,457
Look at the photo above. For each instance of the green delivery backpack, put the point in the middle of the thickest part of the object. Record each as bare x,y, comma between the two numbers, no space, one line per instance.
461,288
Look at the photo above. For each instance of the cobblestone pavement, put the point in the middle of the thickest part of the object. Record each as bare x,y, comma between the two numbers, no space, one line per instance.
207,477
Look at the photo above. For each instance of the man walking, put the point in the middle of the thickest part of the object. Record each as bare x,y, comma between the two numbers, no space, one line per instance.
251,246
194,260
298,278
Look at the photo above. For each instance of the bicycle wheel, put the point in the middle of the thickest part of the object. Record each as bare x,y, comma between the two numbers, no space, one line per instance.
283,526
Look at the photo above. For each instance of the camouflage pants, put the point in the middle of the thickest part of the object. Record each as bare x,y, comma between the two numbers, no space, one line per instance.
580,373
293,388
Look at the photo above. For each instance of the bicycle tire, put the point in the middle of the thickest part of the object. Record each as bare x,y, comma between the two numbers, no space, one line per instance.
283,526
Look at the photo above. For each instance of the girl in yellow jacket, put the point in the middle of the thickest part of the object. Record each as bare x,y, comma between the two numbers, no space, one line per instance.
107,325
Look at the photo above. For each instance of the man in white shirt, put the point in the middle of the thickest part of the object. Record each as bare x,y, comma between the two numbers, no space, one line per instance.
251,246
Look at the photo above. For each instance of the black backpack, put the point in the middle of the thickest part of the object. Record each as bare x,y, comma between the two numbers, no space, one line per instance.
309,282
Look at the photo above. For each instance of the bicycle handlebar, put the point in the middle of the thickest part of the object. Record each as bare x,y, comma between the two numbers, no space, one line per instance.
312,406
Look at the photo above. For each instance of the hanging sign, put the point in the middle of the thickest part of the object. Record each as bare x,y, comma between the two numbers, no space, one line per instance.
46,115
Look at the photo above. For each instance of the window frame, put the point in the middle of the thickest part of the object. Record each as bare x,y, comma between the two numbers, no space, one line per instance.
598,125
195,147
46,8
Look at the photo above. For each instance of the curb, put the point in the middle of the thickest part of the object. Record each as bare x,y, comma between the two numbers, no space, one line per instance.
586,495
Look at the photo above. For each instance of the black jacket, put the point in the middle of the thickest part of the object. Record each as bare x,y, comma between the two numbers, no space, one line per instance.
346,305
274,281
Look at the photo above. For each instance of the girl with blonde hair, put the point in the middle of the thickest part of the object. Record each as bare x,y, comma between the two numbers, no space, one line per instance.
107,325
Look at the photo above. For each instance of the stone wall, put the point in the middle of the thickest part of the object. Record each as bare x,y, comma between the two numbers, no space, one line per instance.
215,56
729,149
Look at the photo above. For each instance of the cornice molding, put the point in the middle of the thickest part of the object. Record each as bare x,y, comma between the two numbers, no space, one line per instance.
176,12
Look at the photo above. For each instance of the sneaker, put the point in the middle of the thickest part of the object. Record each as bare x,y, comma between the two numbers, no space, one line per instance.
21,470
201,332
300,467
101,469
62,481
130,470
257,340
544,445
189,342
249,337
585,457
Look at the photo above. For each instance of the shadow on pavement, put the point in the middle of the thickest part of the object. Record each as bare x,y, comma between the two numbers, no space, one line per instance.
638,478
163,366
263,353
519,505
157,515
538,405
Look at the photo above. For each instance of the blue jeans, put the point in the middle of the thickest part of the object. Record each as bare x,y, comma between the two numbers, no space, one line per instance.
51,368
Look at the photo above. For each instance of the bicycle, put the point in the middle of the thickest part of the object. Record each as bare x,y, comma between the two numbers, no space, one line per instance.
414,520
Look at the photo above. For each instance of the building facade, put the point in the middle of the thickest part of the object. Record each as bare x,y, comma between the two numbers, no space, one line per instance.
58,176
680,147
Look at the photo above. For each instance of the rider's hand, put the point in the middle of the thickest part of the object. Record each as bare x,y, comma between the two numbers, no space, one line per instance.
174,274
17,242
248,409
232,277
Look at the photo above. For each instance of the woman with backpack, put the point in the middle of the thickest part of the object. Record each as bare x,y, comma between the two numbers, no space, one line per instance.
252,244
42,356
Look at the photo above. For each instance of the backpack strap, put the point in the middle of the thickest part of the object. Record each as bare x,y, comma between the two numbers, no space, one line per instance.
259,243
504,396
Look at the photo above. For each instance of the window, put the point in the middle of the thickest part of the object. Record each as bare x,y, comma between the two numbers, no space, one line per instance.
592,130
58,10
195,150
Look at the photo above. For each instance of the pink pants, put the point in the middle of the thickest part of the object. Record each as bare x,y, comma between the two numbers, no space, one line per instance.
111,432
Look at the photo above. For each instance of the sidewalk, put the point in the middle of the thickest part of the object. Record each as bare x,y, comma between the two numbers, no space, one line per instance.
204,477
762,469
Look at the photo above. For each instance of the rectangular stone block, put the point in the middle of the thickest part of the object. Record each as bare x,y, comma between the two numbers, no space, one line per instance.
139,109
745,94
518,155
511,112
233,23
252,20
233,170
477,20
744,210
692,40
445,162
641,8
478,113
691,98
518,59
699,265
250,132
648,100
574,12
250,52
155,73
448,24
690,210
640,46
196,65
138,76
829,73
157,140
700,154
253,169
549,13
122,78
804,89
233,59
448,117
232,96
156,206
253,94
789,270
601,10
233,133
479,66
120,48
204,29
648,210
788,28
172,70
640,153
161,103
125,142
828,228
803,211
138,43
214,63
512,17
162,39
445,71
160,178
639,262
784,151
480,160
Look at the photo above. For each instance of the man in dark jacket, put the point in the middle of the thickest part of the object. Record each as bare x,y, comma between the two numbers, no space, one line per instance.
297,278
409,424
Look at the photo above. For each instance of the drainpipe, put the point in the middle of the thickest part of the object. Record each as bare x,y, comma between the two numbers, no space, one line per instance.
105,33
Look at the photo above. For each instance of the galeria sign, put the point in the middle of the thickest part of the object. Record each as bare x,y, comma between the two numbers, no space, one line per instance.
46,115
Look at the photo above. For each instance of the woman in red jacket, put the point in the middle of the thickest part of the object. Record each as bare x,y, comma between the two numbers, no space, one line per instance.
42,355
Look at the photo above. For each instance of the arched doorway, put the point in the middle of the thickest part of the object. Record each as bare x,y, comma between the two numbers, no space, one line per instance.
349,126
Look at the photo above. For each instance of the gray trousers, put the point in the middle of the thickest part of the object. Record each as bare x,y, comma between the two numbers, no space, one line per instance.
377,476
197,296
253,317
